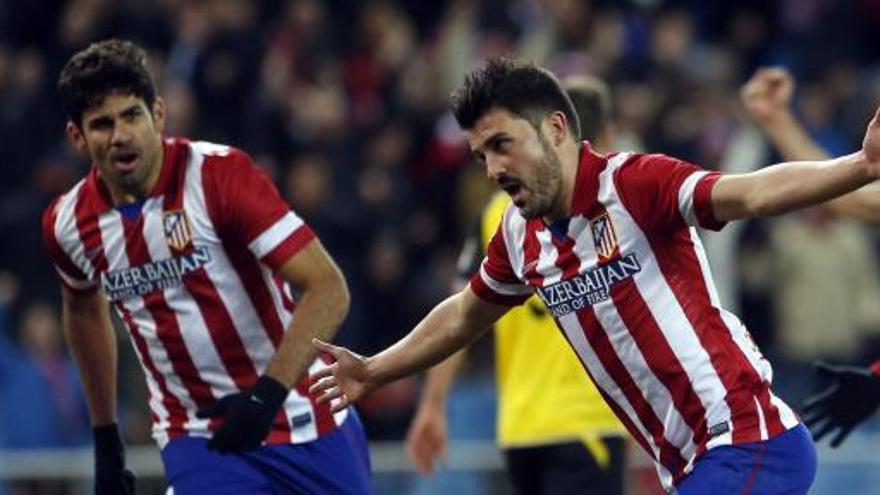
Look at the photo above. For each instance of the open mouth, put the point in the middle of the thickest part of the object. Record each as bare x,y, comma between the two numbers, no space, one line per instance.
513,189
125,161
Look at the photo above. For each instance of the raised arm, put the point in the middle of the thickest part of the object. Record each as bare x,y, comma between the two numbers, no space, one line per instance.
788,186
451,325
767,99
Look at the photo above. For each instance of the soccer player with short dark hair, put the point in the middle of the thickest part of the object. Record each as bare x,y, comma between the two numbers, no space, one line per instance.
609,243
196,251
556,440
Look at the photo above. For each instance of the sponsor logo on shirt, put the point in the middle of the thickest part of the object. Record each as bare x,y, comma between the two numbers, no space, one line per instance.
143,279
588,288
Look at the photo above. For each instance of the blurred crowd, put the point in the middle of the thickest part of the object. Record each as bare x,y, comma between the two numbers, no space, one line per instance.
344,103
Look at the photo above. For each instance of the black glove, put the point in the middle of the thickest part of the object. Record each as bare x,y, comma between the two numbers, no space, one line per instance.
854,396
111,477
247,416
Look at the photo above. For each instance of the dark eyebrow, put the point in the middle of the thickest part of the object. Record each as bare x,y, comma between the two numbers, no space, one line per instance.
130,110
491,142
99,121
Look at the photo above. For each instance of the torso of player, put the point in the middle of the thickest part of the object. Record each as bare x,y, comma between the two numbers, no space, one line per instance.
195,289
531,353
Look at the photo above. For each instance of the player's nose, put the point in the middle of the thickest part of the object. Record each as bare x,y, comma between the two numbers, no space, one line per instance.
495,167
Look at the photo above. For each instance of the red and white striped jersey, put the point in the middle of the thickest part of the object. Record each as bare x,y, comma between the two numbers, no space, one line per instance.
190,273
627,279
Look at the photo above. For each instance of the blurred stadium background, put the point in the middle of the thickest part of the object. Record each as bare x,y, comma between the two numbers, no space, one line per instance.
344,103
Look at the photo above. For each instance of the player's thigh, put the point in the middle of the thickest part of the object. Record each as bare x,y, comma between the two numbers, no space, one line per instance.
336,463
783,465
573,467
192,469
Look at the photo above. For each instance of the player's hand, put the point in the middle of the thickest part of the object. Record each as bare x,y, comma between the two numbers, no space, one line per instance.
346,380
767,94
853,397
247,416
111,476
426,439
871,143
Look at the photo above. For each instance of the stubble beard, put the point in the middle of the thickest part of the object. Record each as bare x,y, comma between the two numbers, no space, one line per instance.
548,180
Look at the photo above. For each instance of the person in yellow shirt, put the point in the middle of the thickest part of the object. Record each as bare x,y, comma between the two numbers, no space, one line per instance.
556,440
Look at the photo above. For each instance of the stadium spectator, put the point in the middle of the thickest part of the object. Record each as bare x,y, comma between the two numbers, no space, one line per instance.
854,394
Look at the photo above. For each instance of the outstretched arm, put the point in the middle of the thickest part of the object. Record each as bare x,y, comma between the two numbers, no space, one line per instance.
788,186
767,99
451,325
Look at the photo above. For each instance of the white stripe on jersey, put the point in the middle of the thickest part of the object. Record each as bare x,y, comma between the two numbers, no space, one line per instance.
67,236
547,258
504,289
272,237
513,240
686,197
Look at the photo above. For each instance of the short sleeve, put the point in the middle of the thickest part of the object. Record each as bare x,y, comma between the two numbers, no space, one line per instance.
663,192
246,204
69,274
495,281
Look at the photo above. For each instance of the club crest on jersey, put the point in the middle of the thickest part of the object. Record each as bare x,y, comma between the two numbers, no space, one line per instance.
176,227
604,237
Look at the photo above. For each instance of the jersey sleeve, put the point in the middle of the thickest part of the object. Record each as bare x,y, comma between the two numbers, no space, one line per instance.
70,275
495,281
875,368
247,205
664,192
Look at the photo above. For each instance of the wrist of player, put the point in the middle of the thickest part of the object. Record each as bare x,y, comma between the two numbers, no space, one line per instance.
247,416
111,476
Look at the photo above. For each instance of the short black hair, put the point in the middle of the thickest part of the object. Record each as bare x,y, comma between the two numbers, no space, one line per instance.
524,89
592,102
108,67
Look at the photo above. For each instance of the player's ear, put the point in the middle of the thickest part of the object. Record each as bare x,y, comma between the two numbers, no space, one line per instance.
159,114
76,137
557,127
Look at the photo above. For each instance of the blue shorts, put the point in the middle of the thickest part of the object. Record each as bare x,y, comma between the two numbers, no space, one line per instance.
785,464
337,462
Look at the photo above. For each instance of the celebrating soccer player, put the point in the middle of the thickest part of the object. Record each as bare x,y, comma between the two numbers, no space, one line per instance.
609,244
559,439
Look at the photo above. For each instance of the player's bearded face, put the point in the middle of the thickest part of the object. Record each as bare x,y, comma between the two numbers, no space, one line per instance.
123,139
543,184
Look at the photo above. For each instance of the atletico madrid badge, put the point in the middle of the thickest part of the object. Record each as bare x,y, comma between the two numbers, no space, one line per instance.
177,231
603,236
